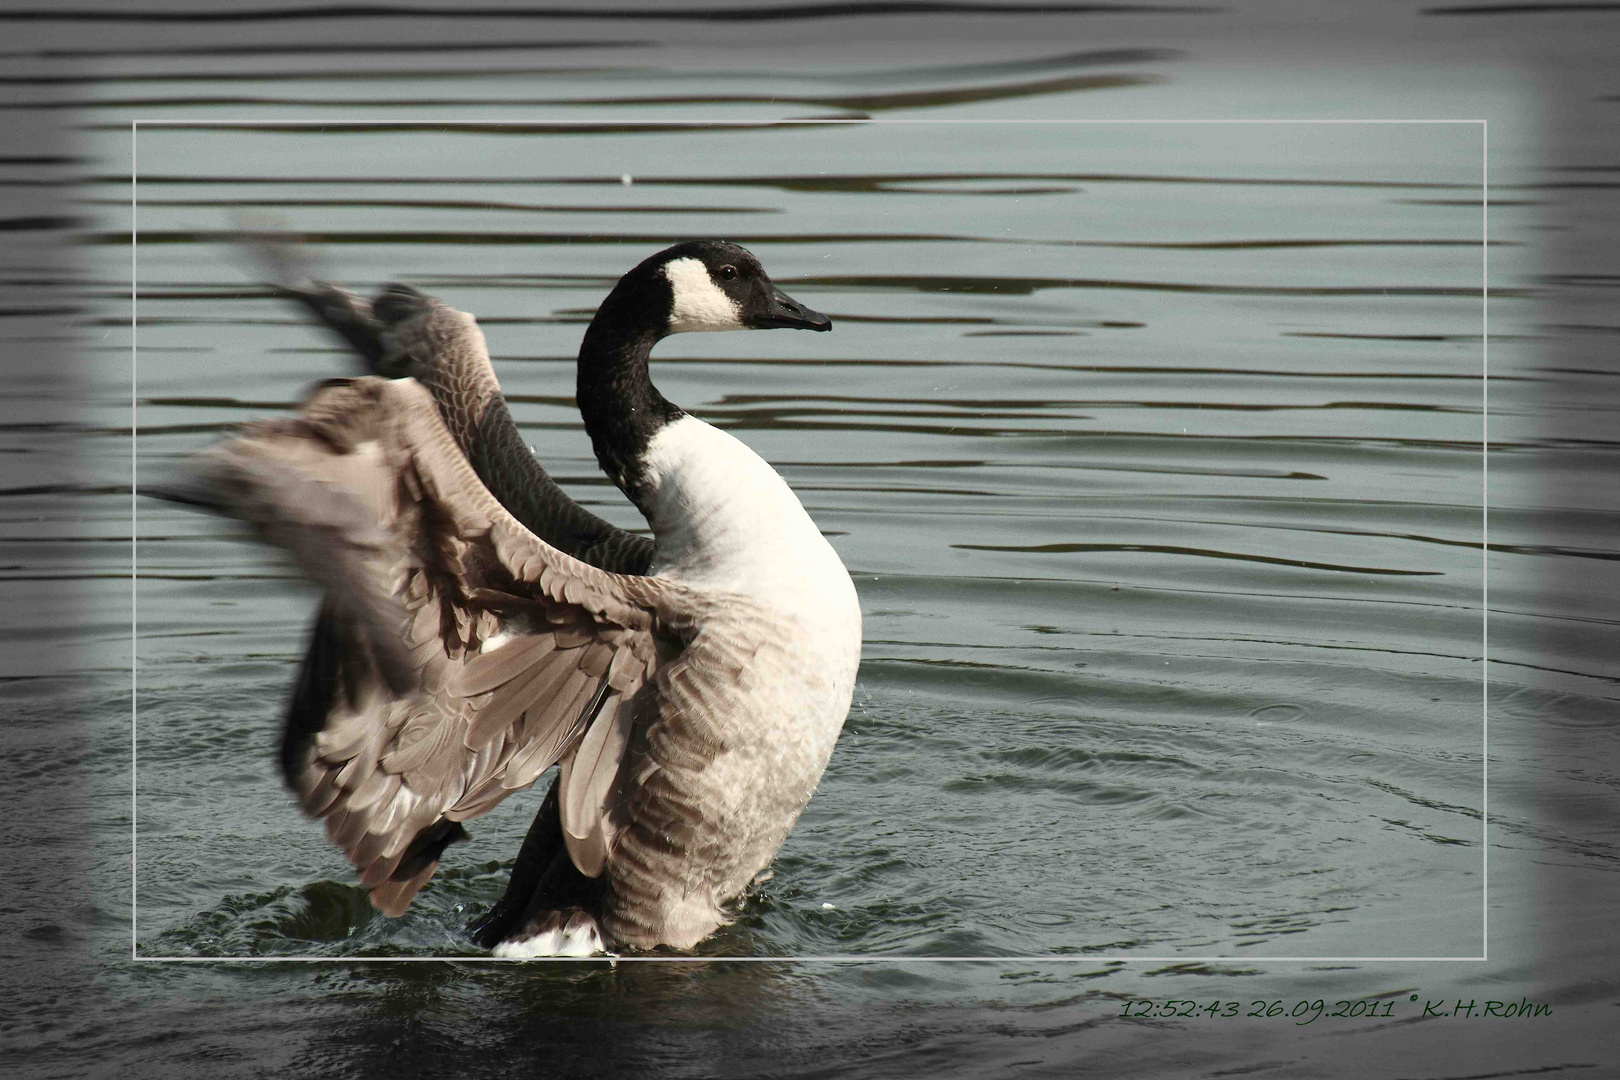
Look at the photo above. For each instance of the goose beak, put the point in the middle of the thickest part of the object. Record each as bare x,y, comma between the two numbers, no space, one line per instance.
784,312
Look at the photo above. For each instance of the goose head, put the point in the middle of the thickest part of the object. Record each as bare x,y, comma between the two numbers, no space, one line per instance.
706,285
698,285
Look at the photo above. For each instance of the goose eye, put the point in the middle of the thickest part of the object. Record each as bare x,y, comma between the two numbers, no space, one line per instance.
728,272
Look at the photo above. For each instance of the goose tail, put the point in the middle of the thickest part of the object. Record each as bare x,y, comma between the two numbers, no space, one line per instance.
568,932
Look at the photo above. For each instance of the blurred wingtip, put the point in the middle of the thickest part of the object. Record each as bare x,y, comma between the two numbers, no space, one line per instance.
274,252
187,487
270,251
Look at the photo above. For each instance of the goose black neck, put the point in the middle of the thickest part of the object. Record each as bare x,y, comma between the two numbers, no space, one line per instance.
621,408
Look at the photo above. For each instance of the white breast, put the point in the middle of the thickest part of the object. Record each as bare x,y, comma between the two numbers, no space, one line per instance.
725,520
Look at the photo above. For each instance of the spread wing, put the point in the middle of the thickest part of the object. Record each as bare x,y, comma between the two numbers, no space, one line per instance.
444,349
457,655
404,332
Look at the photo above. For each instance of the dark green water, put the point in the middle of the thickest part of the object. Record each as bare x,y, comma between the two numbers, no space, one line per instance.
1155,450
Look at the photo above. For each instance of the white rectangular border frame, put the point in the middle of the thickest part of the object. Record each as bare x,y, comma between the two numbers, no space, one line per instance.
1089,959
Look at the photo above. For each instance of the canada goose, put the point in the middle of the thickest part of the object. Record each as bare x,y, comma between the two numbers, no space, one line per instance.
692,709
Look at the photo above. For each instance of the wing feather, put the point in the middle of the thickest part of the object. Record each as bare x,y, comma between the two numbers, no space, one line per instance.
322,790
486,670
503,711
430,719
548,728
588,826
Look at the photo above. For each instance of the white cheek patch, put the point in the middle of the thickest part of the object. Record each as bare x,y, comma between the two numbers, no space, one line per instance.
700,304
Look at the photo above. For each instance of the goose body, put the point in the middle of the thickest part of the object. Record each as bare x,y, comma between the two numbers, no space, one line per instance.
479,626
